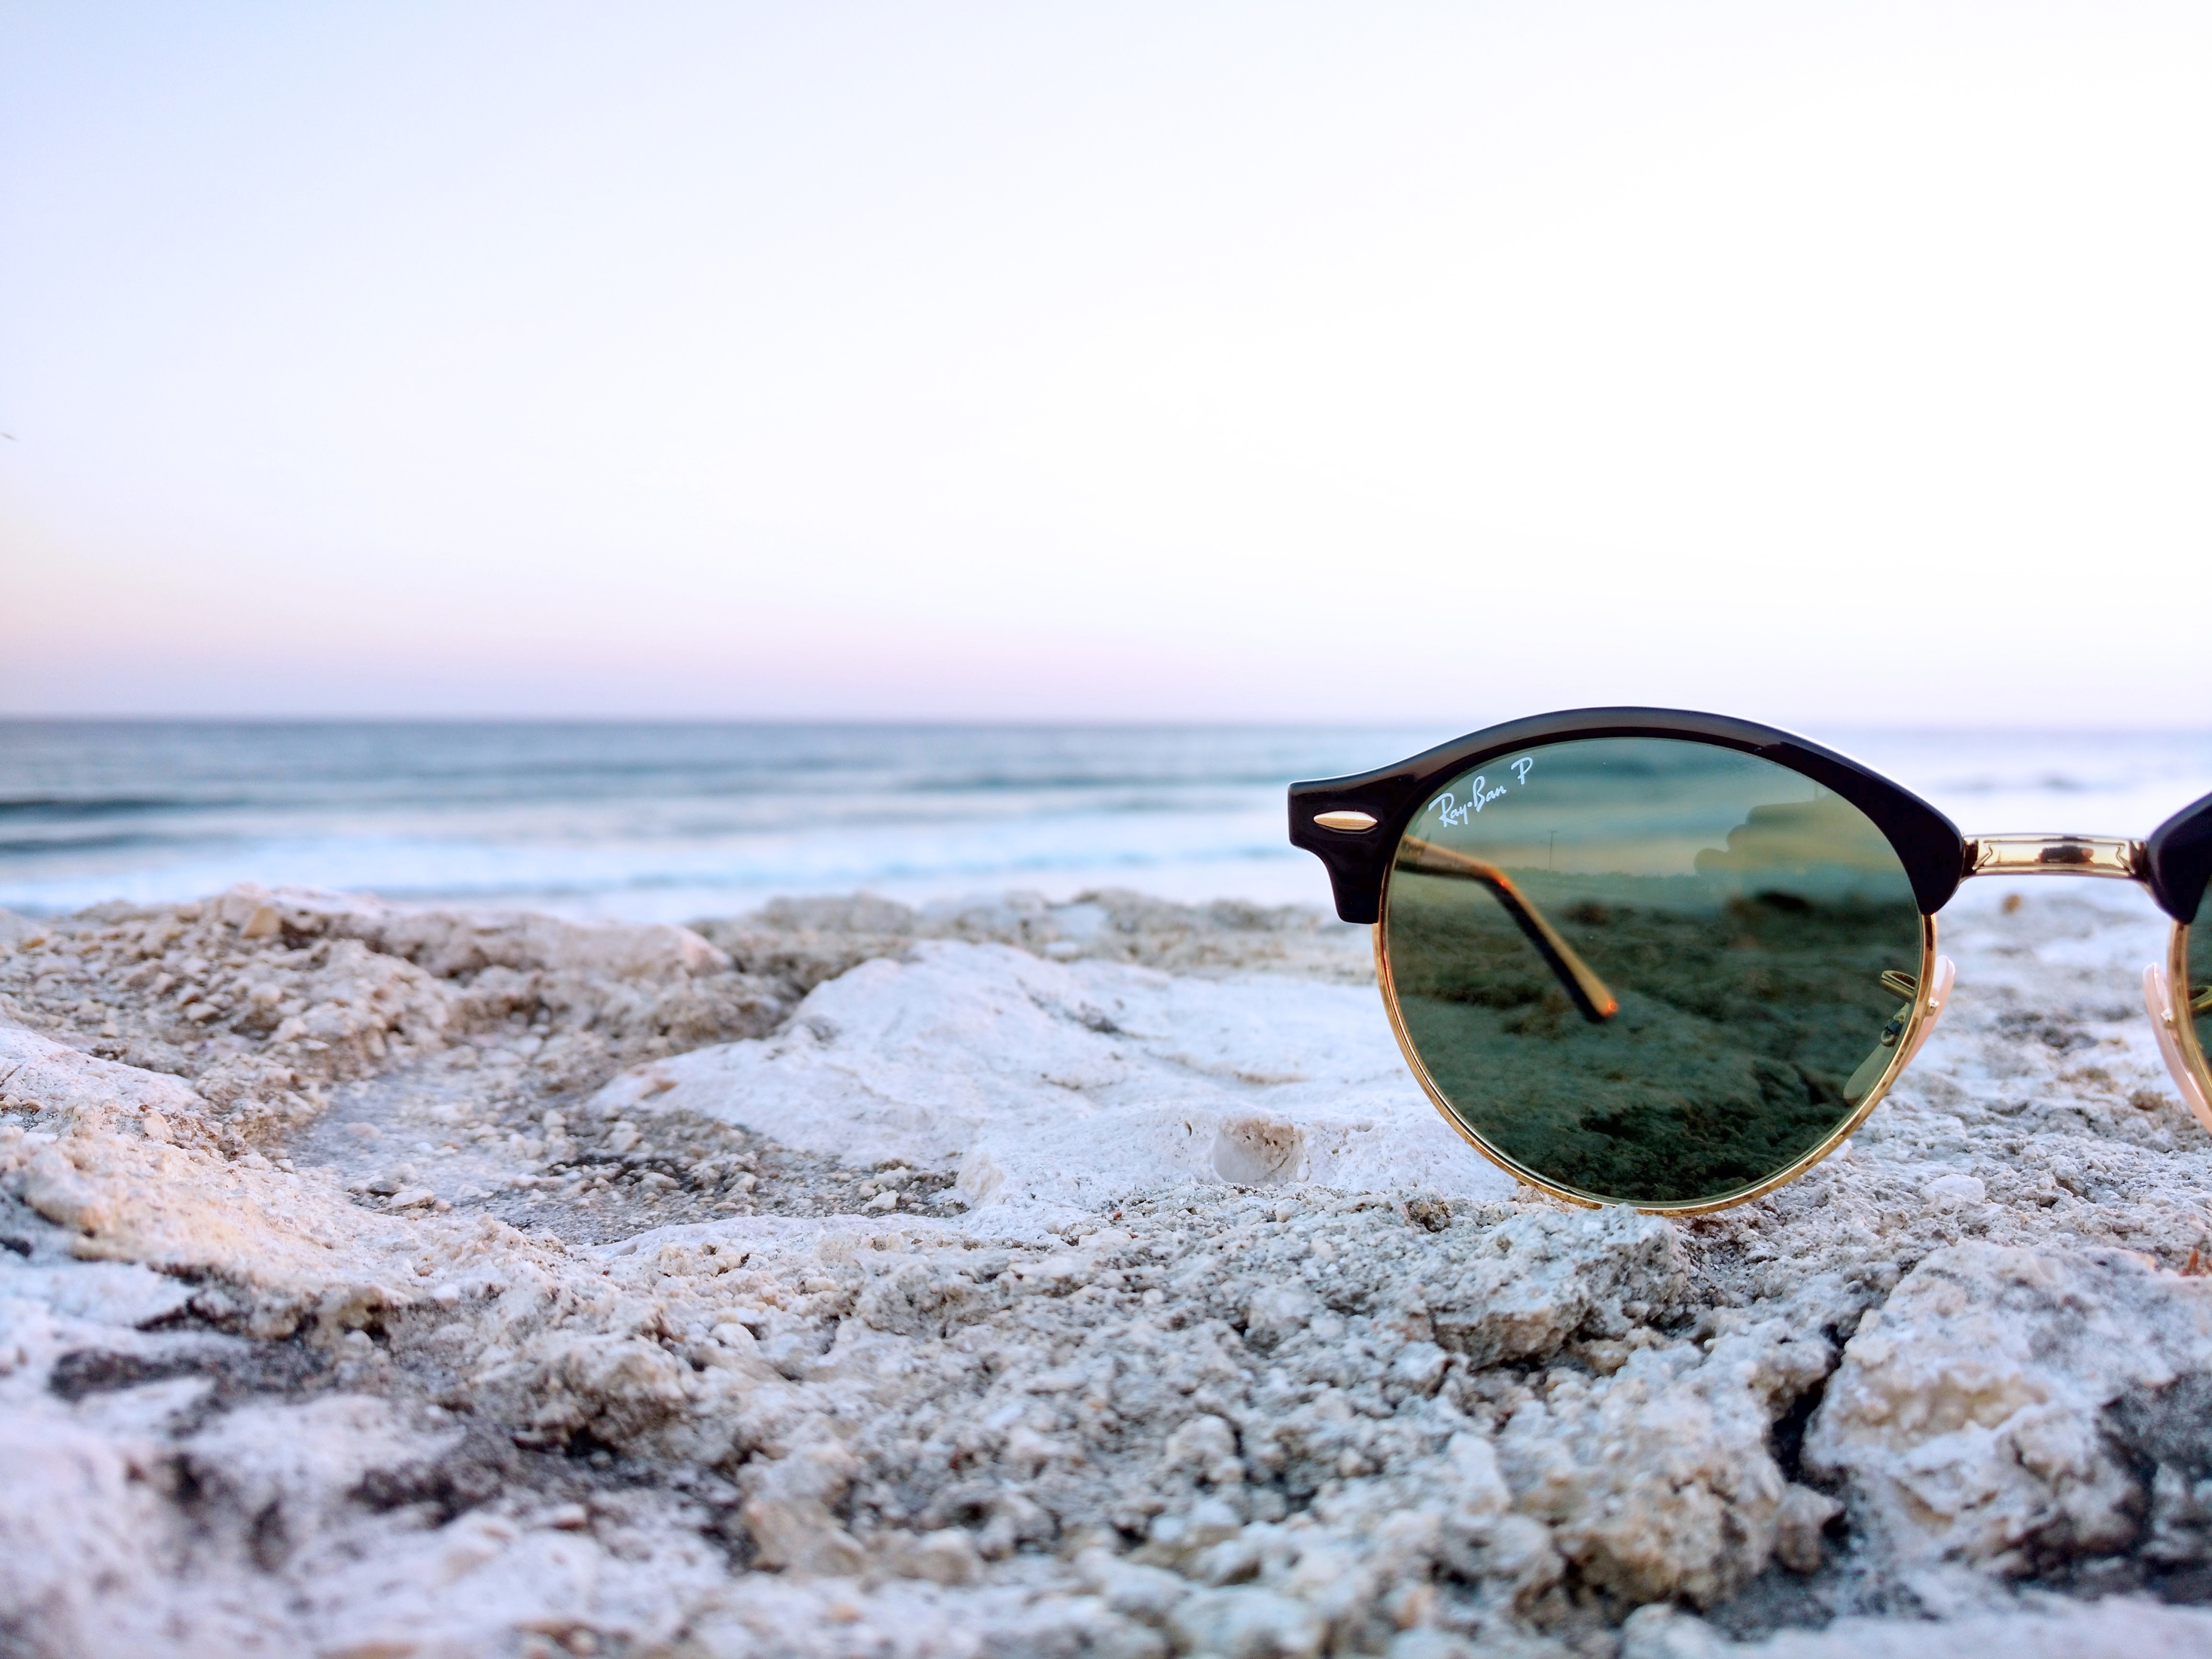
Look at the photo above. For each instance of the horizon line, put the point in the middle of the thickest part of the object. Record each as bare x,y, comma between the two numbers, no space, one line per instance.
1016,722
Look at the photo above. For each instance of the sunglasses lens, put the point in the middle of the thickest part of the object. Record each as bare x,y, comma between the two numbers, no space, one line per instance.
1649,971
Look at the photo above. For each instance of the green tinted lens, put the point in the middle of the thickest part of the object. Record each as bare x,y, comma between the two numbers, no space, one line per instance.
2200,972
1737,919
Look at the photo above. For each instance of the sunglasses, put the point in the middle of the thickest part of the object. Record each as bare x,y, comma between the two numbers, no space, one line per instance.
1637,956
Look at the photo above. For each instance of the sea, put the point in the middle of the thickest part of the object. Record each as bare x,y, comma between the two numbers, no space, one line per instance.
670,821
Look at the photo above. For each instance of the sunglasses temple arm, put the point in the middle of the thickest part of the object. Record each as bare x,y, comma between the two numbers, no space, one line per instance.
1872,1068
2158,998
1583,987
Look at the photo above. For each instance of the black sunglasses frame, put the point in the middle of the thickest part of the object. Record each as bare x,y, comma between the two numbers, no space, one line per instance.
1357,826
2176,857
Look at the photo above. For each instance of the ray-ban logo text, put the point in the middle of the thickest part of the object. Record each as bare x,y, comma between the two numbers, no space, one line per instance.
1479,794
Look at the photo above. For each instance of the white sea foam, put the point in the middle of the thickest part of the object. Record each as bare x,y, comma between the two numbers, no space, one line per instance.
671,822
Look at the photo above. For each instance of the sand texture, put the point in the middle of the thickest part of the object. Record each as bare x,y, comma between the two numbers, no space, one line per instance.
1020,1279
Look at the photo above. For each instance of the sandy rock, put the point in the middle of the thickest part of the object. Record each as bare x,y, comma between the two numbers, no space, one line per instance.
283,1252
642,1378
86,1538
1999,1407
807,941
1547,1274
1658,1480
448,945
947,1556
285,1472
1056,1087
2115,1629
62,1088
787,1510
1246,1623
262,1000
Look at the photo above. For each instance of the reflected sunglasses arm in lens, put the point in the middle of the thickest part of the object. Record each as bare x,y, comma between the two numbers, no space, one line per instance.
1588,991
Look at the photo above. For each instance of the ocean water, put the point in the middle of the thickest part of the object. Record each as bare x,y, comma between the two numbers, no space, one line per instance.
666,821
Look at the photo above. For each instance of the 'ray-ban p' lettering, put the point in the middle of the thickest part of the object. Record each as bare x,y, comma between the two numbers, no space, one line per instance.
1480,795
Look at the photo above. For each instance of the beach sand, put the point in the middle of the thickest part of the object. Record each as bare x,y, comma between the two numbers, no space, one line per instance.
1020,1279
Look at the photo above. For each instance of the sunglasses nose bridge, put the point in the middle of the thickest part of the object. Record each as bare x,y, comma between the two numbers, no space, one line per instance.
2114,857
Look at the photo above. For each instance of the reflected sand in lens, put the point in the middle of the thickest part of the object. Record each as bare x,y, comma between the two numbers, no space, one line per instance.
1747,948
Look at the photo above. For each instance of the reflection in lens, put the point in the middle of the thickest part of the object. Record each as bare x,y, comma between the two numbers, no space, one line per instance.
1740,918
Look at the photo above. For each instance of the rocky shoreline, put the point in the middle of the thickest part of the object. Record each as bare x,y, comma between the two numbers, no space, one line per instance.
1015,1279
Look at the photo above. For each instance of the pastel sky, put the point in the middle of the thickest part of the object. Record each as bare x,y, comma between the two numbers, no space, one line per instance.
1821,363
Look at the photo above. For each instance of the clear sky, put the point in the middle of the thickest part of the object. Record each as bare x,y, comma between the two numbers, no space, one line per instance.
1834,364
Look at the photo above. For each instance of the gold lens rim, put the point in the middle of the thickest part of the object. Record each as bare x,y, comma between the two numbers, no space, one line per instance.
1529,1177
2182,993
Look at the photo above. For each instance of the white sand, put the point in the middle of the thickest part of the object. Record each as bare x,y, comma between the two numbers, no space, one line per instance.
1044,1280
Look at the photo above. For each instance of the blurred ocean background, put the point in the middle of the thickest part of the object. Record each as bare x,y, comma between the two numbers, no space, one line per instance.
669,821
